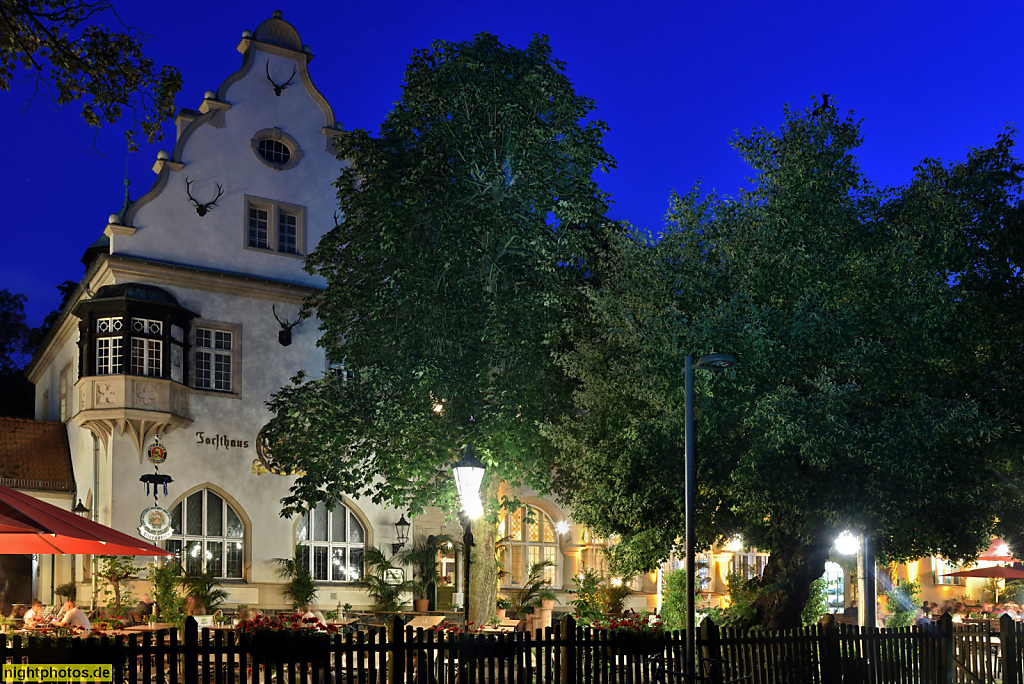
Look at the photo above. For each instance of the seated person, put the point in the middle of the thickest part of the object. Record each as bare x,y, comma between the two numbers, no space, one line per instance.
74,617
144,608
194,606
34,616
851,610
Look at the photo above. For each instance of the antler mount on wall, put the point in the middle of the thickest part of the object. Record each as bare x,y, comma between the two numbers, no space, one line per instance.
201,209
279,88
284,335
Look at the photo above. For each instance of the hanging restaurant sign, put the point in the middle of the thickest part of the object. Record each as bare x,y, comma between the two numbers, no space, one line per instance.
156,523
157,452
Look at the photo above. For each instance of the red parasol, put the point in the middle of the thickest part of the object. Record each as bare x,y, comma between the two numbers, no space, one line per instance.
996,572
28,525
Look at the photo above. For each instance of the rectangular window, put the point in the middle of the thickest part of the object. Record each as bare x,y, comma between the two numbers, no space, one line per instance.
287,232
214,357
108,349
274,226
65,379
259,227
147,357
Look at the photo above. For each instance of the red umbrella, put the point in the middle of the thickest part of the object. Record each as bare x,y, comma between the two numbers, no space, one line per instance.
996,572
28,525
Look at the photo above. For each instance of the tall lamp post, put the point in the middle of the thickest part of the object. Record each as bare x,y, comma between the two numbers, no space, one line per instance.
708,362
468,473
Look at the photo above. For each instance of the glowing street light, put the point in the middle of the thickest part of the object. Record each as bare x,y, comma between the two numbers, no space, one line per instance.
469,474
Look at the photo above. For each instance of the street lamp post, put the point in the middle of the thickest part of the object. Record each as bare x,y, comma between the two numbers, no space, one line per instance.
468,473
708,362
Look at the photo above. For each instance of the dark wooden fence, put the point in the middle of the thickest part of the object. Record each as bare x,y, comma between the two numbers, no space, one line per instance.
948,653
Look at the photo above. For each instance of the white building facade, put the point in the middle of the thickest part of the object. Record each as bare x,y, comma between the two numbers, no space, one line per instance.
176,334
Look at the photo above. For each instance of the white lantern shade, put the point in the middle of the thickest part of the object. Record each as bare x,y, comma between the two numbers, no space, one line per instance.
469,474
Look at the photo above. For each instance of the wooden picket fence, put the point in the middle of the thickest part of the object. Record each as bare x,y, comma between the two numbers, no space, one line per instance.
949,653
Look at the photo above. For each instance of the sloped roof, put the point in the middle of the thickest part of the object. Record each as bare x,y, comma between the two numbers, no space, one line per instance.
34,454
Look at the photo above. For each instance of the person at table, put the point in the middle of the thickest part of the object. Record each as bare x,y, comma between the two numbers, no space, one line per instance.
851,610
144,608
194,606
74,617
35,616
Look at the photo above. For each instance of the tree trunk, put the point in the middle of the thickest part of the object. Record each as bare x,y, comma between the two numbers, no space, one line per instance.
483,573
786,583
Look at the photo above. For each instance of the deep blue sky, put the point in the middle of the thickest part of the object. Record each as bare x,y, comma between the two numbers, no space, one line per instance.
674,80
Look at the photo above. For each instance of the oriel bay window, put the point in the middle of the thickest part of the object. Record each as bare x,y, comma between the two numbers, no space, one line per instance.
132,328
208,535
332,544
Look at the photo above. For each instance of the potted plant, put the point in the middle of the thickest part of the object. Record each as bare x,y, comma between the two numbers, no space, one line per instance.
385,592
422,556
503,605
301,587
547,598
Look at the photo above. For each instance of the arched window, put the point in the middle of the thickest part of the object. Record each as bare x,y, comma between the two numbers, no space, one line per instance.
331,544
530,538
208,535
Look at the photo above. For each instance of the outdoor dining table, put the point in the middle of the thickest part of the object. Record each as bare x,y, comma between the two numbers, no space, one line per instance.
149,627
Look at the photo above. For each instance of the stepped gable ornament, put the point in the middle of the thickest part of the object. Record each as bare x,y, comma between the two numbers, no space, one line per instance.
156,523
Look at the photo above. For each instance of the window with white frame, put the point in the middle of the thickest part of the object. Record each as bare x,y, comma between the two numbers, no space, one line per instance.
940,568
332,544
209,535
530,538
109,342
275,226
748,565
147,352
594,555
214,367
64,389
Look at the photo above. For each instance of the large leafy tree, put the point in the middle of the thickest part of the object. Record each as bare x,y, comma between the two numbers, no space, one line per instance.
876,391
63,48
469,227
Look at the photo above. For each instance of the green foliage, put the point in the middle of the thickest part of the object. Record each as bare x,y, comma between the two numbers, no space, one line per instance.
527,597
301,589
674,601
206,587
902,604
862,318
589,595
166,577
740,611
115,570
453,279
66,590
422,556
71,60
615,595
385,596
503,603
817,603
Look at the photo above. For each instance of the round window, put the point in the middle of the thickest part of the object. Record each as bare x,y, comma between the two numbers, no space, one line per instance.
274,151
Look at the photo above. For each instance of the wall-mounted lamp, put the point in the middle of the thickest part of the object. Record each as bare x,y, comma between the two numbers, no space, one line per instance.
80,510
402,531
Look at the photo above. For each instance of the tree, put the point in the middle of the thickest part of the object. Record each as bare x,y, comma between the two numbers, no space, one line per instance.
70,60
857,403
16,392
453,279
115,570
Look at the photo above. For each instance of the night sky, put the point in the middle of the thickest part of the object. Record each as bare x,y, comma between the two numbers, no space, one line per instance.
674,80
